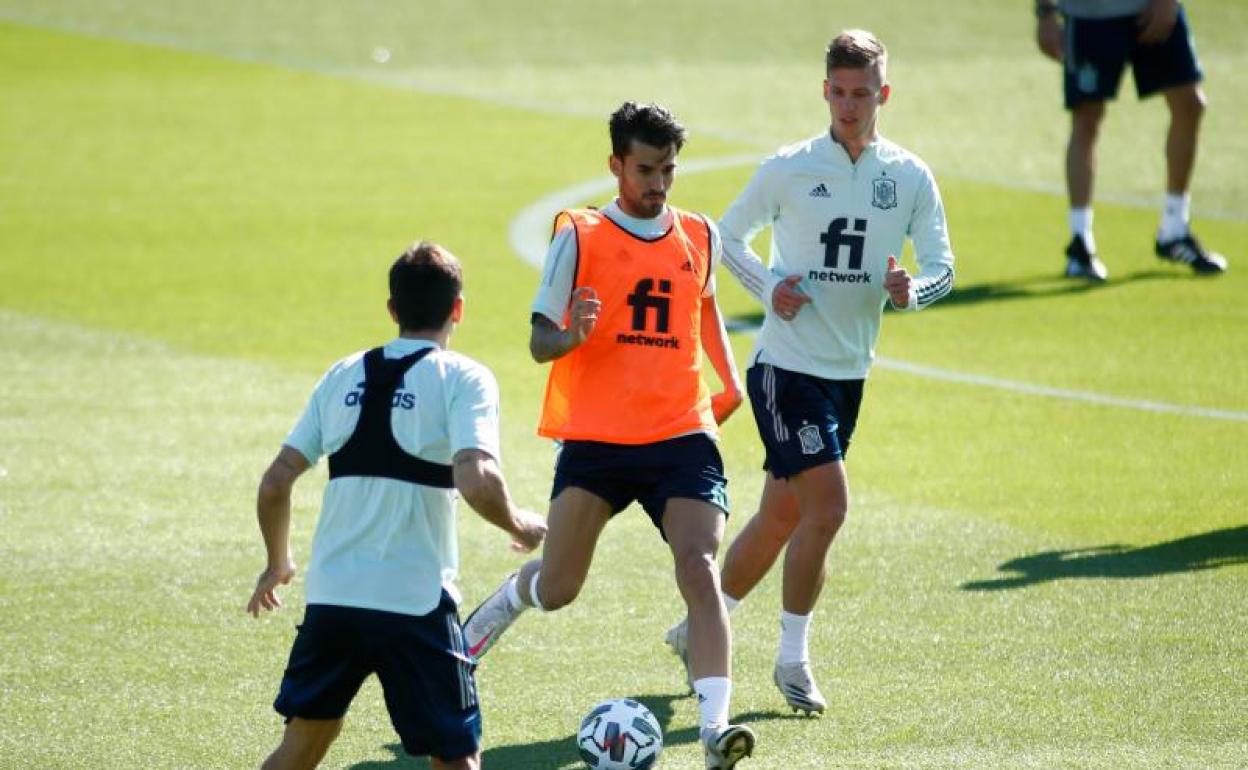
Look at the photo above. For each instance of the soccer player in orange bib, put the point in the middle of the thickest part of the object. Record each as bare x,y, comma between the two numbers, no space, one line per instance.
625,309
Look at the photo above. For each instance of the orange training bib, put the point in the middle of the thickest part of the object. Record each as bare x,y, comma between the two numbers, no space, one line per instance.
637,378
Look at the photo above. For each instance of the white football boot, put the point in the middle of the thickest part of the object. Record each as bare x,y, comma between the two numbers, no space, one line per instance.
678,639
726,747
798,687
488,621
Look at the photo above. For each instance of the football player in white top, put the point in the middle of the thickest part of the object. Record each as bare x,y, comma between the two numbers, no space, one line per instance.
406,427
840,206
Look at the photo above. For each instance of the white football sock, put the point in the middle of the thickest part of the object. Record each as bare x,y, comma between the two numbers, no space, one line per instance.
513,594
713,693
537,600
1176,213
1081,225
794,635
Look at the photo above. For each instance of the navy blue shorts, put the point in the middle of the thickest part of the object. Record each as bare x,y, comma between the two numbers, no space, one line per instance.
425,675
804,421
687,467
1097,51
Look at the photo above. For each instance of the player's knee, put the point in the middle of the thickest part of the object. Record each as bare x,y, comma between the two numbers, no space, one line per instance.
696,573
1189,105
556,593
1086,121
777,522
826,520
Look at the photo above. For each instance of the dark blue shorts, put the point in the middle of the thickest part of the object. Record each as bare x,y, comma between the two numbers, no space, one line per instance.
804,421
687,467
1097,51
425,675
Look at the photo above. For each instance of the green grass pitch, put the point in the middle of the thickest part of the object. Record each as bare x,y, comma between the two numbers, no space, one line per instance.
197,206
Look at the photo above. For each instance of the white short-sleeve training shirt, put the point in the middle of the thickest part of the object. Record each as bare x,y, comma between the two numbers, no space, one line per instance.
380,543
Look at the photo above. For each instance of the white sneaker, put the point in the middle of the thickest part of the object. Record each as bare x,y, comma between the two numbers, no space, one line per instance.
726,747
488,622
798,687
677,638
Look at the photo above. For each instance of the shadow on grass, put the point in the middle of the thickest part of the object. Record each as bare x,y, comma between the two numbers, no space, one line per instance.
1208,550
1031,287
561,754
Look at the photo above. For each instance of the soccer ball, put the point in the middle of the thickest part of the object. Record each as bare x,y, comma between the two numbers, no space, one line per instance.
619,734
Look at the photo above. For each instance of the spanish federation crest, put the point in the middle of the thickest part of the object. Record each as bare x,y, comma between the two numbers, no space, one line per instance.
812,442
884,193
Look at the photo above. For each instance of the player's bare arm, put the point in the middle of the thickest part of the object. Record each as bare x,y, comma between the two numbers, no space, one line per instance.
479,479
273,514
719,353
547,341
1049,29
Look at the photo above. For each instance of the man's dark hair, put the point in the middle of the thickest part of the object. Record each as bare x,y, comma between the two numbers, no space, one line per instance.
424,282
856,49
650,124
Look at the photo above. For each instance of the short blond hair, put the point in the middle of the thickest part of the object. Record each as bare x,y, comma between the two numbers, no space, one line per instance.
857,49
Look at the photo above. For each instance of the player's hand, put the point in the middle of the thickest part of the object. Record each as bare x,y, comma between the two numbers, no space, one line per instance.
897,283
787,299
265,596
1050,36
583,315
1157,21
528,532
725,403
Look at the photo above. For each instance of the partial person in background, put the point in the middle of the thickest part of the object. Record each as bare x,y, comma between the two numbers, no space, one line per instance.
405,426
1094,40
625,310
840,206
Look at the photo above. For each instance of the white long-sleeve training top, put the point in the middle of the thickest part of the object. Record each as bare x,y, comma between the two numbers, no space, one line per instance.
835,222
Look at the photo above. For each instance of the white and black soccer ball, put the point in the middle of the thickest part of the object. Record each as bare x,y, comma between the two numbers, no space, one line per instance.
619,734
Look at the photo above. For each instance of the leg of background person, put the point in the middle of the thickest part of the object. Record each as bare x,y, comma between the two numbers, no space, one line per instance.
694,529
573,526
304,744
463,763
1187,107
756,546
1085,123
822,496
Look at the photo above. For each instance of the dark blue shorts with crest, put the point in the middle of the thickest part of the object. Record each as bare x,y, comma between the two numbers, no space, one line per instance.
804,421
1097,51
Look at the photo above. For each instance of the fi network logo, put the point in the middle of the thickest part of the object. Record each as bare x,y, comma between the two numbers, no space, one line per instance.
643,300
647,302
840,235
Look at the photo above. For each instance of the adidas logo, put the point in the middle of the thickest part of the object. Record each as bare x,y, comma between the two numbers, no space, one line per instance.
820,191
